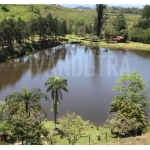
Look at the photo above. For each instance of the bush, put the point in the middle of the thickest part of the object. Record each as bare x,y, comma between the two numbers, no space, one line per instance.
4,8
3,57
129,117
130,120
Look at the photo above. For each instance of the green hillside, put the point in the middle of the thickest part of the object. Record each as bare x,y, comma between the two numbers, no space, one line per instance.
24,11
60,12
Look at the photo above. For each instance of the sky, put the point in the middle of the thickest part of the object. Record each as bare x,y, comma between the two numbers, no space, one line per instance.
83,2
92,6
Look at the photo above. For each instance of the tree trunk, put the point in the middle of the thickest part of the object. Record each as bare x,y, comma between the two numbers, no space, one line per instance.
55,114
22,140
100,8
99,23
26,107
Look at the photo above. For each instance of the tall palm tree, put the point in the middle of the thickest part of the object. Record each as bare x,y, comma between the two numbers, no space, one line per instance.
56,85
100,12
30,99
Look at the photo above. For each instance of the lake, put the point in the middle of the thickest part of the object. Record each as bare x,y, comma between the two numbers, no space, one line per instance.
91,74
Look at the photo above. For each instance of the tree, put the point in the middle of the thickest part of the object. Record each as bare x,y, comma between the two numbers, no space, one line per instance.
33,27
63,28
143,23
146,36
100,12
1,106
81,30
146,12
4,8
135,34
8,28
41,27
73,127
20,30
120,23
24,127
56,85
132,89
110,32
30,99
129,105
70,26
49,21
55,27
4,127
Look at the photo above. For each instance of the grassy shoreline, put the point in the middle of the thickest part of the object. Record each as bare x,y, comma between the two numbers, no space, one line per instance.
120,46
116,46
74,39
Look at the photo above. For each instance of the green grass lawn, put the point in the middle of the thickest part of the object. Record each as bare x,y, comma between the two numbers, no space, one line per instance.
92,131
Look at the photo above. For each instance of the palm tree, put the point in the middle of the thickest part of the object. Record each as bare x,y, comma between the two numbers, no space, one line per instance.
100,11
30,99
55,85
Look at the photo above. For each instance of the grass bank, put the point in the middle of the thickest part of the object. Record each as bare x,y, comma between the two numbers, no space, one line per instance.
98,137
120,46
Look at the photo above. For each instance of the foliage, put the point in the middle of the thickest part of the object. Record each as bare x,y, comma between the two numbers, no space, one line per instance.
124,33
1,109
19,31
146,12
81,30
5,8
21,126
30,100
73,127
120,23
130,120
143,23
136,34
110,32
146,36
132,89
129,105
27,128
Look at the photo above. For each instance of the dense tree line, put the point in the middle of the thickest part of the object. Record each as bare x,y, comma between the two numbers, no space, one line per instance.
18,36
132,10
19,31
140,32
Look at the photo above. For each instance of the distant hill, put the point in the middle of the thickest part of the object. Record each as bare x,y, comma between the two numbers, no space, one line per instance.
127,5
81,7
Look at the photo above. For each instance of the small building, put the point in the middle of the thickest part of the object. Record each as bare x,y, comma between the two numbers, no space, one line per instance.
80,9
117,39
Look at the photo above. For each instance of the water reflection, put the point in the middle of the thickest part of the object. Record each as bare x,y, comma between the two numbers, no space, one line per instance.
91,74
